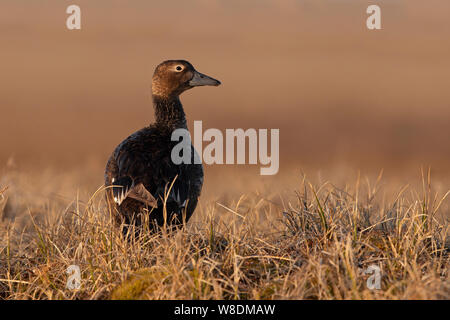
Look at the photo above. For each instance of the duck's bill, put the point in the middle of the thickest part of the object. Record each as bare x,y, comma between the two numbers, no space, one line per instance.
201,79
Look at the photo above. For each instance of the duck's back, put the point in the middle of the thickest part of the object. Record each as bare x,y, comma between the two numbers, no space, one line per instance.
144,159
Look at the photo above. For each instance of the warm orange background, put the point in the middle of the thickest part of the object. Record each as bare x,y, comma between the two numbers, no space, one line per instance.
338,92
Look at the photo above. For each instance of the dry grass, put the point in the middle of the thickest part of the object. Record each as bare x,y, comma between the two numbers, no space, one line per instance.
339,94
313,246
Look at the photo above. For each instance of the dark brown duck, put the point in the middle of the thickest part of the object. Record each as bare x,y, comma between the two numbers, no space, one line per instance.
140,171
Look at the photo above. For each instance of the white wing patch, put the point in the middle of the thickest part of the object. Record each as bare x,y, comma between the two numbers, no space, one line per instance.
122,195
177,198
137,192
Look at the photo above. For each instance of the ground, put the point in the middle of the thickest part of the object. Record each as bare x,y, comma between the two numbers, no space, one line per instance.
314,241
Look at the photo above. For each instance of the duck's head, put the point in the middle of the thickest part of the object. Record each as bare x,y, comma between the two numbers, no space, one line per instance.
173,77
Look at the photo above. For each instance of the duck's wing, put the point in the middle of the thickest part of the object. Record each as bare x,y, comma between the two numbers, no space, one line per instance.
140,193
173,191
121,188
144,172
124,187
132,166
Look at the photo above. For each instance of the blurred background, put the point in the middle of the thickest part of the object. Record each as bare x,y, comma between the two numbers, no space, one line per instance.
341,95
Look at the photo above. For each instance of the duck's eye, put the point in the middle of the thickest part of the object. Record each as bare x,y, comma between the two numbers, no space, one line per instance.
179,68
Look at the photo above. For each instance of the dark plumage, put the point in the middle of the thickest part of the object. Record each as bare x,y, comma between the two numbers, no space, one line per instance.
140,171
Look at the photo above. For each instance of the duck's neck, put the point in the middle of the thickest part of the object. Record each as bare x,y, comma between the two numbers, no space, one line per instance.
169,112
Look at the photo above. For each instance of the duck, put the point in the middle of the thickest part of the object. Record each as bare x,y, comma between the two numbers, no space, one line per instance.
143,185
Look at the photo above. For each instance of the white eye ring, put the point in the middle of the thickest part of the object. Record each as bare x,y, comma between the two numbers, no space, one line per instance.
179,68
